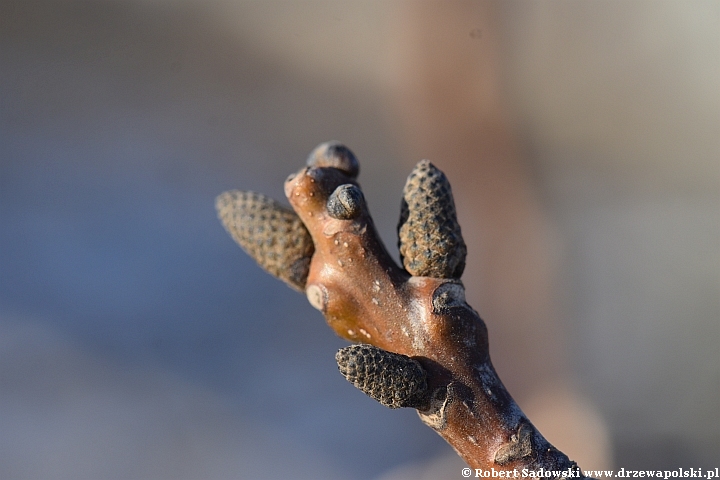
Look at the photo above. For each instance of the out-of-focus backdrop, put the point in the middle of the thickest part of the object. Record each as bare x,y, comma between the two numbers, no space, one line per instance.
582,140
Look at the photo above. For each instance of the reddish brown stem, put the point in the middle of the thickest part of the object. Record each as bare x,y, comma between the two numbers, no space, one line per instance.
424,346
367,298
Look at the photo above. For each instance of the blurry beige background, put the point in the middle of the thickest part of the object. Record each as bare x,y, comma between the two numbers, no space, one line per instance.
582,140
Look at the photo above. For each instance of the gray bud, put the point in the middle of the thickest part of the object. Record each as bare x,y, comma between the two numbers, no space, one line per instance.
345,203
273,235
430,241
392,379
335,154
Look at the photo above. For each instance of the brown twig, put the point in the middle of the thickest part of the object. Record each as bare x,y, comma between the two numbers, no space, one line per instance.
420,344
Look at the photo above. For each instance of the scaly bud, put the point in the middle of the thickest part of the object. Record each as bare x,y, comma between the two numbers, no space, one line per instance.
431,244
390,378
271,234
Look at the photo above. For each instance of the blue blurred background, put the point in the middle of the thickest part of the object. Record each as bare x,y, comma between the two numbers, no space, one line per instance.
138,341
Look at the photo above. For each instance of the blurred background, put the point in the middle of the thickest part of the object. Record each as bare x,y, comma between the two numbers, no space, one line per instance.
582,140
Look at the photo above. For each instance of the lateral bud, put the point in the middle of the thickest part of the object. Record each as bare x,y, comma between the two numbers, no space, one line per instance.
392,379
274,236
345,203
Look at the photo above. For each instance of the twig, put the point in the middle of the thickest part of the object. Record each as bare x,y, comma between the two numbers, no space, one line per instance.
420,345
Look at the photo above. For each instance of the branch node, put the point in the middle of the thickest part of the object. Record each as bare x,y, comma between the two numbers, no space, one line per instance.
435,416
447,296
317,295
519,446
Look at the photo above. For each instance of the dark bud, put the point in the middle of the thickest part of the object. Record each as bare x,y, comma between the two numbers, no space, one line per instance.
336,155
273,235
345,203
390,378
430,241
